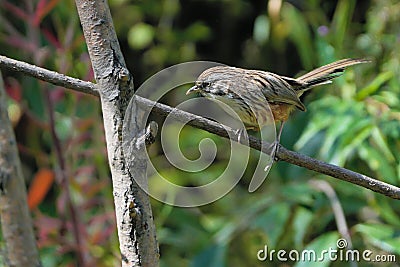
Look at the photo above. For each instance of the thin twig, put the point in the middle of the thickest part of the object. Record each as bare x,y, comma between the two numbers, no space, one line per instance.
48,76
210,126
337,209
64,180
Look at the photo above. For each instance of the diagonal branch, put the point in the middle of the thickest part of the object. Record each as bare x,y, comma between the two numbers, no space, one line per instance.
210,126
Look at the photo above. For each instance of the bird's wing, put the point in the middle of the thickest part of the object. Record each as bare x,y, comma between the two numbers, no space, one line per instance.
279,89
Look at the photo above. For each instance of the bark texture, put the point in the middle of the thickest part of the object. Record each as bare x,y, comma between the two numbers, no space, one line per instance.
16,222
135,224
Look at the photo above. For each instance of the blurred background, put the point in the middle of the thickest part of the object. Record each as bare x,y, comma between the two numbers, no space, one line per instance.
354,123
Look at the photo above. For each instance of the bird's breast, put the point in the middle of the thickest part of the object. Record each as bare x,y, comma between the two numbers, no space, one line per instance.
281,111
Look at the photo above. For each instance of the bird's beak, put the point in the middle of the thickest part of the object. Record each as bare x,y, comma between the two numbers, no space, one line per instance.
192,90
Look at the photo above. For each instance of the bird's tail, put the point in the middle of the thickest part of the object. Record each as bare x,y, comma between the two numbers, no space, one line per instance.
325,74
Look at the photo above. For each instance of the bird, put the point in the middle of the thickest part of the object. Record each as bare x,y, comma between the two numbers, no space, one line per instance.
250,93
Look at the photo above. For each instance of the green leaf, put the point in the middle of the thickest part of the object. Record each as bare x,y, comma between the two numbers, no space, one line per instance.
301,221
321,243
387,212
299,193
389,98
382,144
383,236
213,256
378,163
63,127
351,139
300,34
140,35
341,21
317,124
374,85
273,222
198,31
261,29
34,98
326,52
336,129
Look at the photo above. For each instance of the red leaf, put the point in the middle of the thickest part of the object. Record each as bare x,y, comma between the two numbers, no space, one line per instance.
57,94
42,9
39,187
51,38
13,89
18,12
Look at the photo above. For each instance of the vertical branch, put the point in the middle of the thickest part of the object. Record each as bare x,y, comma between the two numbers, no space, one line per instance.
16,222
135,224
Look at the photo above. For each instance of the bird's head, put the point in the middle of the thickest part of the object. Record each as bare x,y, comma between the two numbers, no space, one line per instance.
212,80
203,82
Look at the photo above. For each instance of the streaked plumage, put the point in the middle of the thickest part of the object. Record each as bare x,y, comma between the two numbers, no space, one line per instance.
251,92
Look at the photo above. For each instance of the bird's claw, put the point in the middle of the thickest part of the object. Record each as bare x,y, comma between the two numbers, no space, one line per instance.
274,146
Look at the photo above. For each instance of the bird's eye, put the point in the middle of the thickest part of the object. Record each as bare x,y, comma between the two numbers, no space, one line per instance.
205,84
202,85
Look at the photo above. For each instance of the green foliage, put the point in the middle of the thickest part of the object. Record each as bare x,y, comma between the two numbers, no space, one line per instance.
299,33
321,243
262,29
353,122
382,236
140,35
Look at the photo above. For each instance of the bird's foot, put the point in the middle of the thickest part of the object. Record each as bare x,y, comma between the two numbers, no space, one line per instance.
274,146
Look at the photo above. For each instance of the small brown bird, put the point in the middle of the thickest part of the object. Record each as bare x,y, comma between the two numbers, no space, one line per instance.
248,92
